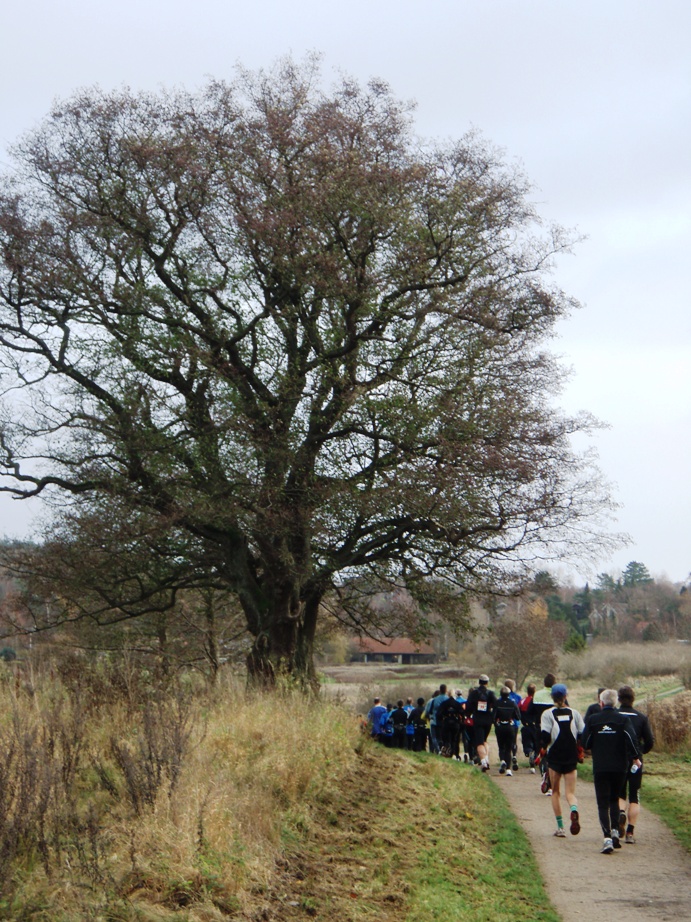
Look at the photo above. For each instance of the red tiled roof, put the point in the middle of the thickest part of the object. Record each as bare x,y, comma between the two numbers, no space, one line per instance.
394,645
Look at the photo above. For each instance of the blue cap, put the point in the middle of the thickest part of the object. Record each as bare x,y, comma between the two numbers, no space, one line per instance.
559,691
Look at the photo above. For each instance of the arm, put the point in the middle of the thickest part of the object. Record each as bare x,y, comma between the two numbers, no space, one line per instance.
632,749
647,735
546,724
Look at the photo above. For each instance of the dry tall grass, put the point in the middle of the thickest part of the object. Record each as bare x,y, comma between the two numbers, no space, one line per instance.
125,803
670,719
613,664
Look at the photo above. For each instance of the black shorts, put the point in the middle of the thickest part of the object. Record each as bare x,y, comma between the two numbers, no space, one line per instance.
633,783
564,768
480,734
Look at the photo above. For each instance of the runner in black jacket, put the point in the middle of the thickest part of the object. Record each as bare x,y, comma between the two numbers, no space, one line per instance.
611,738
505,715
450,714
480,707
646,741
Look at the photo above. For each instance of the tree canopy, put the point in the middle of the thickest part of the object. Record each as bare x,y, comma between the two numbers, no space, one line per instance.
272,342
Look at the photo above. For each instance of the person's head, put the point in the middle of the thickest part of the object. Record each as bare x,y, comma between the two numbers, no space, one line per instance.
599,692
549,680
504,691
626,695
377,700
410,701
442,689
484,679
458,693
559,693
608,698
510,684
531,689
399,703
420,702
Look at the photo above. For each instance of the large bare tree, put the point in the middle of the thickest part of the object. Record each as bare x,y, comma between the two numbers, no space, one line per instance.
271,324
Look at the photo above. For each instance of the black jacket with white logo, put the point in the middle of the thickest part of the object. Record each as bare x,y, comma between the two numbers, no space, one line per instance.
611,738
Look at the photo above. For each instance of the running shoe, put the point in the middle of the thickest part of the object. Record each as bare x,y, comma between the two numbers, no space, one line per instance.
630,840
514,765
608,847
560,833
502,767
615,840
509,773
484,765
544,784
575,827
532,771
622,824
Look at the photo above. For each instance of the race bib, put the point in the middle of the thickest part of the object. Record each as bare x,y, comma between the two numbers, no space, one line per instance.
482,705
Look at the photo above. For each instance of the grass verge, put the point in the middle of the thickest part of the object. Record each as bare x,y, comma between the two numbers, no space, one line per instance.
667,791
413,838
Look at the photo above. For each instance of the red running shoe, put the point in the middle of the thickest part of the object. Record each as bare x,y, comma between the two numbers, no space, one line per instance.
575,825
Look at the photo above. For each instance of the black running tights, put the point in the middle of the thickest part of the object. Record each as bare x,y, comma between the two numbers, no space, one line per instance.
607,788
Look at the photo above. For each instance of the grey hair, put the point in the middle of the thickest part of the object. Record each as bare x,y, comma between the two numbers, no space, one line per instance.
608,697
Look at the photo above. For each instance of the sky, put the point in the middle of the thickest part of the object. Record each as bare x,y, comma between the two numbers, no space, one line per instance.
591,97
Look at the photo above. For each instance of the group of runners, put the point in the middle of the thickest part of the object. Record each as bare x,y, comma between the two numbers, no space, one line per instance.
553,735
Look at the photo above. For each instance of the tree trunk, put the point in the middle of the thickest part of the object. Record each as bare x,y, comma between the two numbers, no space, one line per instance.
210,639
284,649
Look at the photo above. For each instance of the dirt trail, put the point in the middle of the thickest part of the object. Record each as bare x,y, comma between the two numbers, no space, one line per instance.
650,880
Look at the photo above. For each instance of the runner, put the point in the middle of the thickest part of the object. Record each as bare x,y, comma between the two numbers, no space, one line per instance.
516,698
612,740
633,779
560,729
506,715
542,701
480,707
530,730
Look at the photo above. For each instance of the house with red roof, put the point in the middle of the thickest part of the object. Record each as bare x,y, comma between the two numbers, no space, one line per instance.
393,650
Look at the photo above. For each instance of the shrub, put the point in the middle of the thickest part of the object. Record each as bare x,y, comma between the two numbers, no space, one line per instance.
670,719
575,643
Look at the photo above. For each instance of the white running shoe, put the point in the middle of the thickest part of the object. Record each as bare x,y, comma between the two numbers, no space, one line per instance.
607,848
509,773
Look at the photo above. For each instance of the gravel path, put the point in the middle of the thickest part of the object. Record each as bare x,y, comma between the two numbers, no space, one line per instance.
648,881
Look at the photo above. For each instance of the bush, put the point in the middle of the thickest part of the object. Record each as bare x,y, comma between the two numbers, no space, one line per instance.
670,719
575,643
117,792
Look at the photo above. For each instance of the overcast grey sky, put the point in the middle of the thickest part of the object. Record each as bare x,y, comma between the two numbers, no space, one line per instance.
592,97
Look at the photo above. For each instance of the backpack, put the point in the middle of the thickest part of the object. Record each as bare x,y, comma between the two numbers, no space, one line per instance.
387,725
